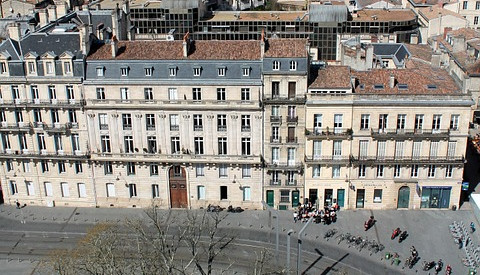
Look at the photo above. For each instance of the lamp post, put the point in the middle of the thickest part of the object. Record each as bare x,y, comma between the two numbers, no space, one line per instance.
299,246
289,233
275,216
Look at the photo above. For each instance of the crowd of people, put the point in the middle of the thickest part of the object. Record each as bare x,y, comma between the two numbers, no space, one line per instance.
326,215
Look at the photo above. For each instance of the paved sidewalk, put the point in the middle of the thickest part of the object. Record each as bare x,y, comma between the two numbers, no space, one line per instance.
428,229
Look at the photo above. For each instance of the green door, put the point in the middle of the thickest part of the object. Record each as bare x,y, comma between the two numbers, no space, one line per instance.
341,197
360,198
295,198
403,197
270,198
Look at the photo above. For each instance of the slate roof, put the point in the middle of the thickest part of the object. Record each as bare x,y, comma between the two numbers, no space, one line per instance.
397,51
286,48
55,42
11,47
328,13
332,77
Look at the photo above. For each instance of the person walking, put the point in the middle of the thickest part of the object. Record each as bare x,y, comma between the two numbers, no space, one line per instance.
17,203
295,216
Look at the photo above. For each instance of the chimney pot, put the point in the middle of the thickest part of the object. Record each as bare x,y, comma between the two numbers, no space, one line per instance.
114,44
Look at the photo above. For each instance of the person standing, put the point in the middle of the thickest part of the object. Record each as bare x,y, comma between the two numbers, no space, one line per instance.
17,203
295,216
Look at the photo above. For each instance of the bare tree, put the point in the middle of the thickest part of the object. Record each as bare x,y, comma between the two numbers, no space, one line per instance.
261,266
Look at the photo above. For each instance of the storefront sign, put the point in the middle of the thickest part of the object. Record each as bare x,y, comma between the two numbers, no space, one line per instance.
465,185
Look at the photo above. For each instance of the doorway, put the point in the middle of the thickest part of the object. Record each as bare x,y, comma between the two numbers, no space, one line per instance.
178,187
341,197
328,197
295,198
270,198
360,198
403,197
313,195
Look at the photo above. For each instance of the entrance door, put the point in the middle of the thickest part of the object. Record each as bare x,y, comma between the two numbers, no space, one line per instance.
178,187
360,198
403,197
270,198
341,197
295,198
292,86
328,197
312,195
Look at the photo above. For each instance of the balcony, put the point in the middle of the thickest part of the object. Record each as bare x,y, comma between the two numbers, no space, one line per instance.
292,119
42,154
197,127
174,104
16,127
103,126
373,160
221,128
275,182
150,127
245,128
275,139
327,133
291,182
292,140
327,159
174,127
410,134
277,99
285,166
59,128
276,119
35,103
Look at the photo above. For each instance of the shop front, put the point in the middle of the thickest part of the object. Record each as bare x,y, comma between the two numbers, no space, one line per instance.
435,197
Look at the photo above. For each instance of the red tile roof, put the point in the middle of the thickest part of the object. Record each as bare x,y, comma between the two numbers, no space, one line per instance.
332,77
277,47
420,51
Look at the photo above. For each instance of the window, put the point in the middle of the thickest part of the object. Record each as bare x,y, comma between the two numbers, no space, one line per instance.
276,65
381,149
337,123
148,92
399,145
365,122
100,93
132,190
200,192
100,71
198,142
431,171
475,20
335,171
401,122
52,94
316,169
65,189
174,123
22,142
221,123
382,122
292,113
30,188
130,168
150,122
465,5
110,190
223,170
437,119
103,121
48,189
155,191
61,167
197,71
454,122
246,193
70,93
275,177
13,188
197,123
45,167
246,71
397,169
449,171
72,117
275,88
127,121
82,190
197,94
418,122
200,170
124,71
246,171
434,149
78,167
151,144
105,143
245,123
275,155
414,171
49,67
380,170
128,144
451,149
477,5
317,149
148,71
246,147
108,168
377,195
361,170
337,149
172,71
124,94
153,169
222,145
291,156
245,93
285,196
76,143
31,67
221,96
67,68
5,141
34,92
223,192
3,67
221,71
172,94
293,65
175,144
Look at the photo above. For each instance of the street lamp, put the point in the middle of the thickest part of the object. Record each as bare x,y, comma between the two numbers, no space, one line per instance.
289,233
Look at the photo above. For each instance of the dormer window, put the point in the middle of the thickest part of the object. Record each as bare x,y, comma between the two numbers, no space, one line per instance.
197,71
403,86
100,71
148,71
221,71
293,65
378,86
276,65
67,68
3,67
124,71
32,68
172,71
246,71
49,68
432,86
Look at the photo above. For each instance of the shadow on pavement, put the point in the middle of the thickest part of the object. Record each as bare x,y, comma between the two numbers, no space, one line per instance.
328,269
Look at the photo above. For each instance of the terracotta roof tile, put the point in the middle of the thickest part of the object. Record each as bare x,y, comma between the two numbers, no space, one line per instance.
367,15
259,16
469,64
420,51
466,32
173,50
286,48
332,77
436,11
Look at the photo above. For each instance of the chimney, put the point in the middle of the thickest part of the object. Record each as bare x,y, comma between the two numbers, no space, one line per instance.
435,61
414,39
61,8
43,17
369,56
186,44
14,31
114,44
353,81
84,38
459,44
52,13
262,43
392,81
435,44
